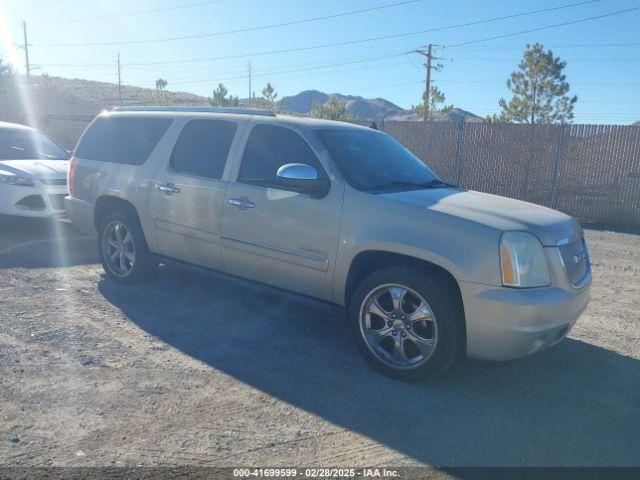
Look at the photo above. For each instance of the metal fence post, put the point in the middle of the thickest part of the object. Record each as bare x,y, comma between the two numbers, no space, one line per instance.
458,156
556,172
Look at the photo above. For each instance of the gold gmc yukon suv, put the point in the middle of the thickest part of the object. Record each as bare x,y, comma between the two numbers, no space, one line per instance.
427,272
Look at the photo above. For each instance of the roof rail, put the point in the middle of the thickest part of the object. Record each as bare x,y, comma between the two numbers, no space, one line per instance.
237,110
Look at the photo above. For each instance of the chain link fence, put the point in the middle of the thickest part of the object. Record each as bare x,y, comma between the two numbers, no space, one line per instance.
591,172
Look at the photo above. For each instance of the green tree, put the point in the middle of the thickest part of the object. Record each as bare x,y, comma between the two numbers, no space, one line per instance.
7,77
161,84
334,109
269,95
161,95
539,89
258,102
220,98
436,99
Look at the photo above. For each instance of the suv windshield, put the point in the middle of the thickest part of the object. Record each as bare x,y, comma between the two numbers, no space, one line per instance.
29,145
372,161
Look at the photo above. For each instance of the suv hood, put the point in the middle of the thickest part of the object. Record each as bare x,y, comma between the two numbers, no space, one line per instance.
36,168
497,212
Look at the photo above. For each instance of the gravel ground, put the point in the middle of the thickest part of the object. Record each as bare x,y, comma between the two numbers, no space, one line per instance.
202,369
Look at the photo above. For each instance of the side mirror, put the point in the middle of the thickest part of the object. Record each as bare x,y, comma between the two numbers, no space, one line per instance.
302,178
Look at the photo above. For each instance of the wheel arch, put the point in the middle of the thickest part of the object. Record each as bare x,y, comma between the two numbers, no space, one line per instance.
106,204
368,261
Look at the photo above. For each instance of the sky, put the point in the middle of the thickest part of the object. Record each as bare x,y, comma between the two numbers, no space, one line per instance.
354,47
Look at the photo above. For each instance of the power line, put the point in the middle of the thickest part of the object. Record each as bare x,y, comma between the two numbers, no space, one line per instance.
554,45
241,73
384,37
472,47
290,68
389,85
466,59
284,72
352,42
145,12
131,13
241,30
598,84
473,101
547,27
313,67
593,59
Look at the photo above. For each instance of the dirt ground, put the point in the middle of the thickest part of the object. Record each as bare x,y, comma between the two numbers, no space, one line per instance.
202,369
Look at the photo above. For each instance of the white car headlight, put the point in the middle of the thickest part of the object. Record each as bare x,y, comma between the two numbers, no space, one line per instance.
523,261
13,179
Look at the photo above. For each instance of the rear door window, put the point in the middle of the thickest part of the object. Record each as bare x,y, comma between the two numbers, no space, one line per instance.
124,140
269,147
203,147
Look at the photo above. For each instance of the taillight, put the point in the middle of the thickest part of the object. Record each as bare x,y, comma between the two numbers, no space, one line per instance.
70,175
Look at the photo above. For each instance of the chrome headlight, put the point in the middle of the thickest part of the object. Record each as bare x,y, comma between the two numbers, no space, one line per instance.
13,179
523,261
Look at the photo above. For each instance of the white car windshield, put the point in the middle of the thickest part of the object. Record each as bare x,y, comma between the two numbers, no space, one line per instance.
29,145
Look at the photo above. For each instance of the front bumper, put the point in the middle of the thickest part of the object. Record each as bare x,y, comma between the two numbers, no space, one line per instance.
509,323
39,200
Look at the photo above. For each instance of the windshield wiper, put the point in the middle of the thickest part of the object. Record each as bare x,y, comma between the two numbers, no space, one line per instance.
418,185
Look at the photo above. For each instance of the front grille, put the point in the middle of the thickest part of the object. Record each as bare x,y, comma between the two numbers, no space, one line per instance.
32,202
55,181
575,258
57,201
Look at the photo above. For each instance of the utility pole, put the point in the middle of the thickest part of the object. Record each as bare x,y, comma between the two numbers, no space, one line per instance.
428,54
25,46
26,50
119,82
427,82
250,99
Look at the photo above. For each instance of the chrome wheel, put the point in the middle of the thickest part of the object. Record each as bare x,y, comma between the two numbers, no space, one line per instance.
118,249
398,326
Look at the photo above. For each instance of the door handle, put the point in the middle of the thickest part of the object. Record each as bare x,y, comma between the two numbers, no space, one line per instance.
167,188
241,203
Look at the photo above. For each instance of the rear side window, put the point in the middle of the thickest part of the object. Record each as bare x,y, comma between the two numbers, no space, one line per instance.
203,147
122,139
268,148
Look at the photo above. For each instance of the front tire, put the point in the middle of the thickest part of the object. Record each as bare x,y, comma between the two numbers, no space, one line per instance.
123,249
407,322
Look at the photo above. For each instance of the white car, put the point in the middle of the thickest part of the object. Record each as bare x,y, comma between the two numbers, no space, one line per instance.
33,172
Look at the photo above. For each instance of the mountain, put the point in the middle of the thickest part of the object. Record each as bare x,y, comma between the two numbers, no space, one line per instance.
71,96
101,95
456,115
366,108
359,107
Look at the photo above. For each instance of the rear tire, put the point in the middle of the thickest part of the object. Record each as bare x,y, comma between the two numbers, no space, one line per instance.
123,249
408,322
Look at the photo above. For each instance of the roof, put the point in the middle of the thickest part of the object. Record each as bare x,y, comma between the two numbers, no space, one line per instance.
188,109
320,123
265,115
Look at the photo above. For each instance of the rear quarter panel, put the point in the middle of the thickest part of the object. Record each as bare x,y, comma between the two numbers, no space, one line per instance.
132,183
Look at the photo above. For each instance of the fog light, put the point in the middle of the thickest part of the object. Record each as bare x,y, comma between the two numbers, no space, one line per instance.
32,202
